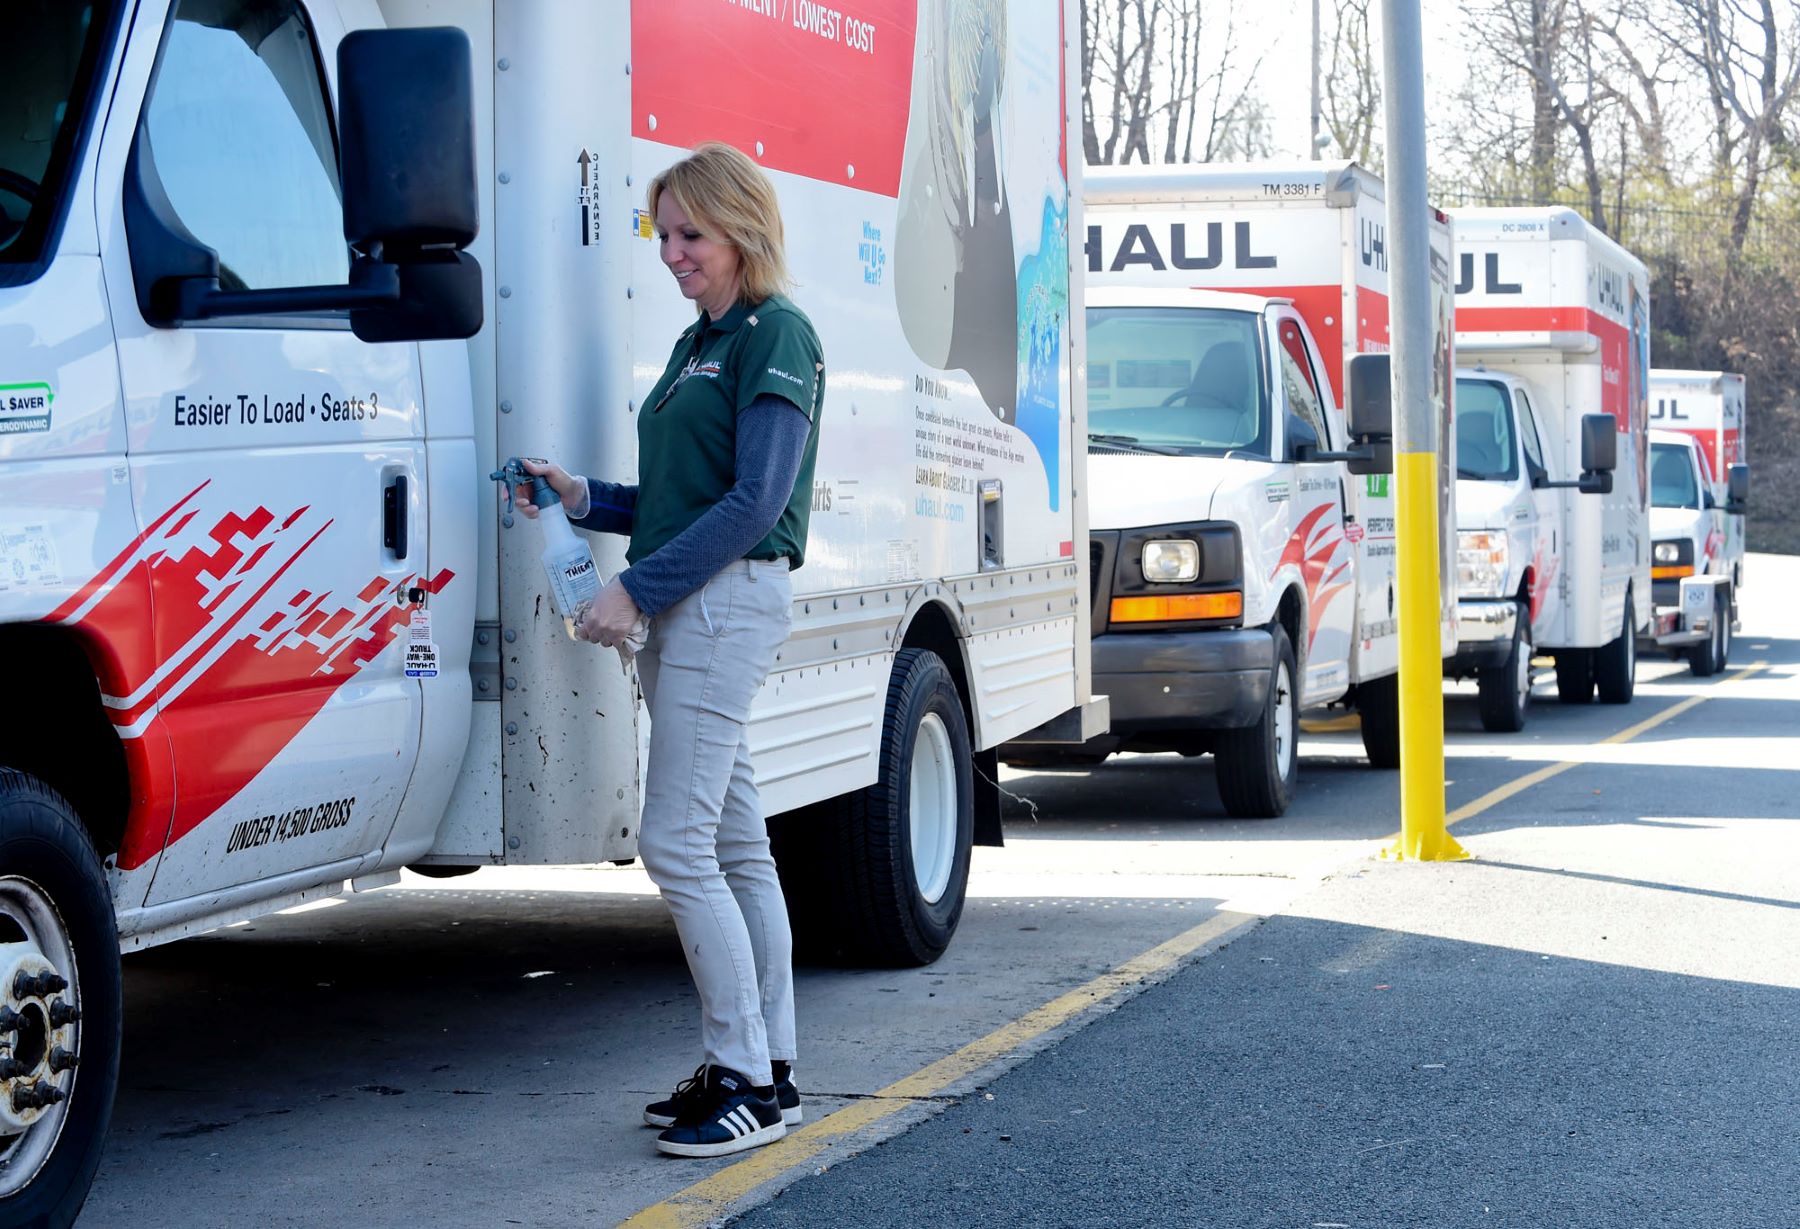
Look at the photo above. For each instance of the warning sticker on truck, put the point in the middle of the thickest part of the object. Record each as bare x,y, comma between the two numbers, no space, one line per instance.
27,557
25,407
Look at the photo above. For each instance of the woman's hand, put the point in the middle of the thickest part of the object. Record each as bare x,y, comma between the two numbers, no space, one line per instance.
572,488
612,616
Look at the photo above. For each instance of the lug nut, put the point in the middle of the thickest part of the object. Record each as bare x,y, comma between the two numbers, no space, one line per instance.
39,985
9,1019
62,1060
37,1096
12,1068
61,1013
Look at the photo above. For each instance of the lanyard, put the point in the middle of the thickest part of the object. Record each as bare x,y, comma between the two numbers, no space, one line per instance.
692,363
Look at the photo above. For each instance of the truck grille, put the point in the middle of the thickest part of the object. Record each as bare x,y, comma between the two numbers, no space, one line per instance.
1102,547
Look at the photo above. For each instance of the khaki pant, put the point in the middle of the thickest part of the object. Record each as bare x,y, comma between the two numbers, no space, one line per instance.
702,837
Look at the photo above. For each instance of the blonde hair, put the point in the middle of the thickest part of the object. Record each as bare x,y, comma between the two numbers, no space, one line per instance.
732,201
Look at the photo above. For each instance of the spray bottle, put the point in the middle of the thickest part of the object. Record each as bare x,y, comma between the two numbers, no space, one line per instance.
568,563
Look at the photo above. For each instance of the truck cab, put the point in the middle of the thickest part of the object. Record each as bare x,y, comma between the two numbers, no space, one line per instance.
1691,577
1507,533
1222,539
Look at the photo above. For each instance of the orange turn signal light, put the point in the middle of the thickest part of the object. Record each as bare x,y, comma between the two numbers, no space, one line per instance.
1178,606
1671,571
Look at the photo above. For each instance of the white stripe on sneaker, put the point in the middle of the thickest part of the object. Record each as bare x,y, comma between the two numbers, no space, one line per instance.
741,1121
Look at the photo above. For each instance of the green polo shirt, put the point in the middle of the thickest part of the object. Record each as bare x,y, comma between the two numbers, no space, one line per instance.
687,428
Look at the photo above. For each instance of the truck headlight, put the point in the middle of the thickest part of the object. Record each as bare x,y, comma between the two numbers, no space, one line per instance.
1171,561
1667,552
1481,563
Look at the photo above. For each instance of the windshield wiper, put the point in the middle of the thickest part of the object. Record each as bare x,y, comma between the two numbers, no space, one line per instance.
1130,443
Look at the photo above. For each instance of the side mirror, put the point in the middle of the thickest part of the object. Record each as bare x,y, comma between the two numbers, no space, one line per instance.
1369,381
1737,489
406,127
407,162
1371,400
1599,444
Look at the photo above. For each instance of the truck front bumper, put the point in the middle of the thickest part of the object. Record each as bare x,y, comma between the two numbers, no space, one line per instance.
1689,621
1216,679
1484,633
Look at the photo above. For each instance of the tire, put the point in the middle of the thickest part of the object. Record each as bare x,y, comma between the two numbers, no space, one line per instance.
1706,660
1615,663
1574,675
435,870
866,881
1378,705
1506,688
54,897
1256,766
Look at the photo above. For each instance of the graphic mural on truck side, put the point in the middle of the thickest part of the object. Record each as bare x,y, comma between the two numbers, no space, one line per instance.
227,629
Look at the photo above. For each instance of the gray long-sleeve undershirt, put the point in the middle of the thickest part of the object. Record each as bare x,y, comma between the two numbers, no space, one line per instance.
771,442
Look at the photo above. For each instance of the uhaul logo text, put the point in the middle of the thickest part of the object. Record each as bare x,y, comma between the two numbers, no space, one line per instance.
1669,409
1374,245
1189,246
1492,282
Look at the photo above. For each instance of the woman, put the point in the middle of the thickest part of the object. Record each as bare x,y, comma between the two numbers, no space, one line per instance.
718,518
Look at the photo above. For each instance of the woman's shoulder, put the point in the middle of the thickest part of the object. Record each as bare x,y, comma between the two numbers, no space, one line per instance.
781,310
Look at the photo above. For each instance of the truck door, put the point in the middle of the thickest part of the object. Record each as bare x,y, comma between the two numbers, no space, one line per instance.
1316,548
1546,533
277,463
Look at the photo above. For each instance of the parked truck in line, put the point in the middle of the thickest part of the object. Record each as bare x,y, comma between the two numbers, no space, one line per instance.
1699,492
282,635
1242,536
1553,534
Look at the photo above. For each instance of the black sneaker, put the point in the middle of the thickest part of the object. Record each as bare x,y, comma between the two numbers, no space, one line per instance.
688,1094
692,1091
787,1096
732,1117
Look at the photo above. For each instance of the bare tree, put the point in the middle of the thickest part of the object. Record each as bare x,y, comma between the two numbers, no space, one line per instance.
1353,84
1744,54
1166,75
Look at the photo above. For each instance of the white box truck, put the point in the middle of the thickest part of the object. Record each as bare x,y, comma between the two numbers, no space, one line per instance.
1243,567
1553,541
1699,492
281,634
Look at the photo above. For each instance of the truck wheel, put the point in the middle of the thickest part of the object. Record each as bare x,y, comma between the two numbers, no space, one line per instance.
887,868
60,1006
1506,688
1378,708
1574,675
1706,660
1256,766
1615,663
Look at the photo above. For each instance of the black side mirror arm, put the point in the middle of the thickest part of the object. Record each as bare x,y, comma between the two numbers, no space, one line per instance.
372,283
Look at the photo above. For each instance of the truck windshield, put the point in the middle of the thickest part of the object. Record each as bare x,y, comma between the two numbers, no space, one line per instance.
1177,379
1672,482
51,73
1484,432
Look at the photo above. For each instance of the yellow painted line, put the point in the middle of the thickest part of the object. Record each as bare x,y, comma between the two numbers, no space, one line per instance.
1495,797
1331,725
713,1197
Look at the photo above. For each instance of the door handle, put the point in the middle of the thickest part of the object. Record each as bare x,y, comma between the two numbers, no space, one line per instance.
393,516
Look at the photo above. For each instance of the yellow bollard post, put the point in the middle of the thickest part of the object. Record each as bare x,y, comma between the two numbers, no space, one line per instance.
1423,835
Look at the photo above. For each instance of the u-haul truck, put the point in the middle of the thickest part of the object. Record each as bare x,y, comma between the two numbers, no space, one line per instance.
279,631
1241,570
1553,541
1699,492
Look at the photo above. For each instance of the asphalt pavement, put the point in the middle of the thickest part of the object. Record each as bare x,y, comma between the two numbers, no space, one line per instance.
1593,1022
